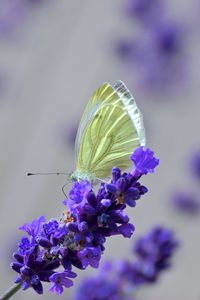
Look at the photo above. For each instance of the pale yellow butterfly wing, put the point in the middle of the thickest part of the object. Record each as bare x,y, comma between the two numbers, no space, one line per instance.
111,128
103,94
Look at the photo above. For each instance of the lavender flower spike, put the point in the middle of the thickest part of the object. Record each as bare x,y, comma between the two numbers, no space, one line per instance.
78,238
145,10
186,202
144,161
154,251
121,280
195,164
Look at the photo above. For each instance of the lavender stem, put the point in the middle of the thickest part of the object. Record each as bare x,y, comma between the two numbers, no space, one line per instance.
11,291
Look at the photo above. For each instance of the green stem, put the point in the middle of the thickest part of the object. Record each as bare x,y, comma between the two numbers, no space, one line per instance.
10,292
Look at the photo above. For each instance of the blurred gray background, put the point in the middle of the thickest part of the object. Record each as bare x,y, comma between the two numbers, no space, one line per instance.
49,67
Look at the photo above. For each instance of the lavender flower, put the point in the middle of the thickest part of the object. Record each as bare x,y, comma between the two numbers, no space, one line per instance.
99,288
34,228
61,279
116,280
126,188
13,13
156,52
154,251
35,263
144,161
77,195
106,285
186,203
90,256
77,240
67,135
145,10
195,164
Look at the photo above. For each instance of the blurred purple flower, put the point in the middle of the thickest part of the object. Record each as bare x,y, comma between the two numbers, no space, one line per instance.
67,135
186,203
145,10
100,288
195,164
154,250
156,55
120,280
13,13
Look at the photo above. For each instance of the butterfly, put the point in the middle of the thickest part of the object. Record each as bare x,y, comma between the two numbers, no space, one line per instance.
110,129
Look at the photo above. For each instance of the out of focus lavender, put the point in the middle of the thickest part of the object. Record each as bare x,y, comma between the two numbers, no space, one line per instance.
157,56
101,287
14,16
195,164
188,202
145,10
121,280
68,135
13,13
157,53
185,202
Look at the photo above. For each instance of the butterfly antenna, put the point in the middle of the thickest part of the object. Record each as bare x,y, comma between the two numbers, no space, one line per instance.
53,173
48,173
63,189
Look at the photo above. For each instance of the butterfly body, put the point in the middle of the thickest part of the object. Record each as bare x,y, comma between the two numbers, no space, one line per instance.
79,175
110,129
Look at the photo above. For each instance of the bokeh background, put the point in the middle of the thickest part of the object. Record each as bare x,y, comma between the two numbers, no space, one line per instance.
53,54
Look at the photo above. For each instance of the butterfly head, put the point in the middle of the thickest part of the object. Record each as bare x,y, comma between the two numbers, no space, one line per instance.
82,175
73,176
